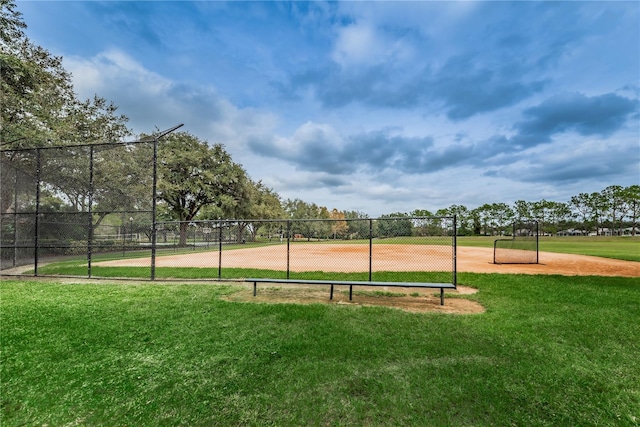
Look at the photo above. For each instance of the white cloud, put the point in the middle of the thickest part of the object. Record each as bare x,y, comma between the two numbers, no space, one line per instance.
363,44
151,100
113,67
381,107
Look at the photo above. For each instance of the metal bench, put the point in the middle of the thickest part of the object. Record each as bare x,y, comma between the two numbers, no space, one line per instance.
351,284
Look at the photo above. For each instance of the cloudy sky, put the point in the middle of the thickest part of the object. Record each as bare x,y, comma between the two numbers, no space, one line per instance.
378,106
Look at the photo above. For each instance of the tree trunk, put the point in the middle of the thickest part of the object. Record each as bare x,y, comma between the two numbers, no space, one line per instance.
184,228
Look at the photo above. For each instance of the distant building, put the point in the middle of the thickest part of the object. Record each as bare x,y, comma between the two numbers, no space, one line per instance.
572,232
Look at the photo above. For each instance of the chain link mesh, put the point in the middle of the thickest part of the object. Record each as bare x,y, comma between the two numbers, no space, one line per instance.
82,204
71,201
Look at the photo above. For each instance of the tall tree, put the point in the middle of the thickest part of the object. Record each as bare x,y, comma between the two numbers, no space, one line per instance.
632,201
358,223
463,218
599,207
541,211
339,226
614,199
583,205
11,23
193,175
394,225
260,203
522,210
38,108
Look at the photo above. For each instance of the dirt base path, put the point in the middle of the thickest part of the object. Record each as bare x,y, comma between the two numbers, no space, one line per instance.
407,299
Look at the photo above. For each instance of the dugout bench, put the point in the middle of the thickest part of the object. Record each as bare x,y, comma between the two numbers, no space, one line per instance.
351,284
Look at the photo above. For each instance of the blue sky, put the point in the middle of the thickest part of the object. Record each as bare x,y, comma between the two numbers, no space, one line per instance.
379,107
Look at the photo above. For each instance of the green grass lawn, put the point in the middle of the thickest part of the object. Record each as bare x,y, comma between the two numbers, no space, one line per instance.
625,248
550,350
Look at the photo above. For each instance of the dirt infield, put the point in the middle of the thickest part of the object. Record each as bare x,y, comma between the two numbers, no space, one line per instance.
354,258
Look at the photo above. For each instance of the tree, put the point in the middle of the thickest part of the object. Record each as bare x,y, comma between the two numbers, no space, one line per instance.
598,207
339,226
33,90
463,218
39,108
301,210
632,200
541,211
614,198
583,206
192,175
36,94
11,23
560,215
502,217
261,202
358,223
522,210
482,219
394,225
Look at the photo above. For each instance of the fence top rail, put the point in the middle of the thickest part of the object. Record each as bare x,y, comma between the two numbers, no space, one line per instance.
62,147
146,140
232,221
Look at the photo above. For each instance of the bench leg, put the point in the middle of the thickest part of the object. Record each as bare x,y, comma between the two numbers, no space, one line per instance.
254,288
441,296
350,292
331,294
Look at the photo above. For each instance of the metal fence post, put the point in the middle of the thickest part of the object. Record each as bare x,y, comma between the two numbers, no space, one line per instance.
90,213
219,250
455,253
15,217
537,243
370,248
288,244
154,202
36,221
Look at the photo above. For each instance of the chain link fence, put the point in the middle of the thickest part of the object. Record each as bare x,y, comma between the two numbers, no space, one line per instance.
363,249
90,211
357,249
61,202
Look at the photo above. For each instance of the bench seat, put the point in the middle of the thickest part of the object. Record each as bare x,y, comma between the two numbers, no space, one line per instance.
351,284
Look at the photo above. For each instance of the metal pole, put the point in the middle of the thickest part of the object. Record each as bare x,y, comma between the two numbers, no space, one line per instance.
123,230
15,218
90,213
455,256
154,224
36,231
537,243
220,250
370,247
288,244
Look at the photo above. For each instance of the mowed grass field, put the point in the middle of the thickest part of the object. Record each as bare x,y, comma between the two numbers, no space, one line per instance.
549,350
625,248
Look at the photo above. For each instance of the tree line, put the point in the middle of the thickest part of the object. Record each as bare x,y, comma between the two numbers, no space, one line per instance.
613,211
198,180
